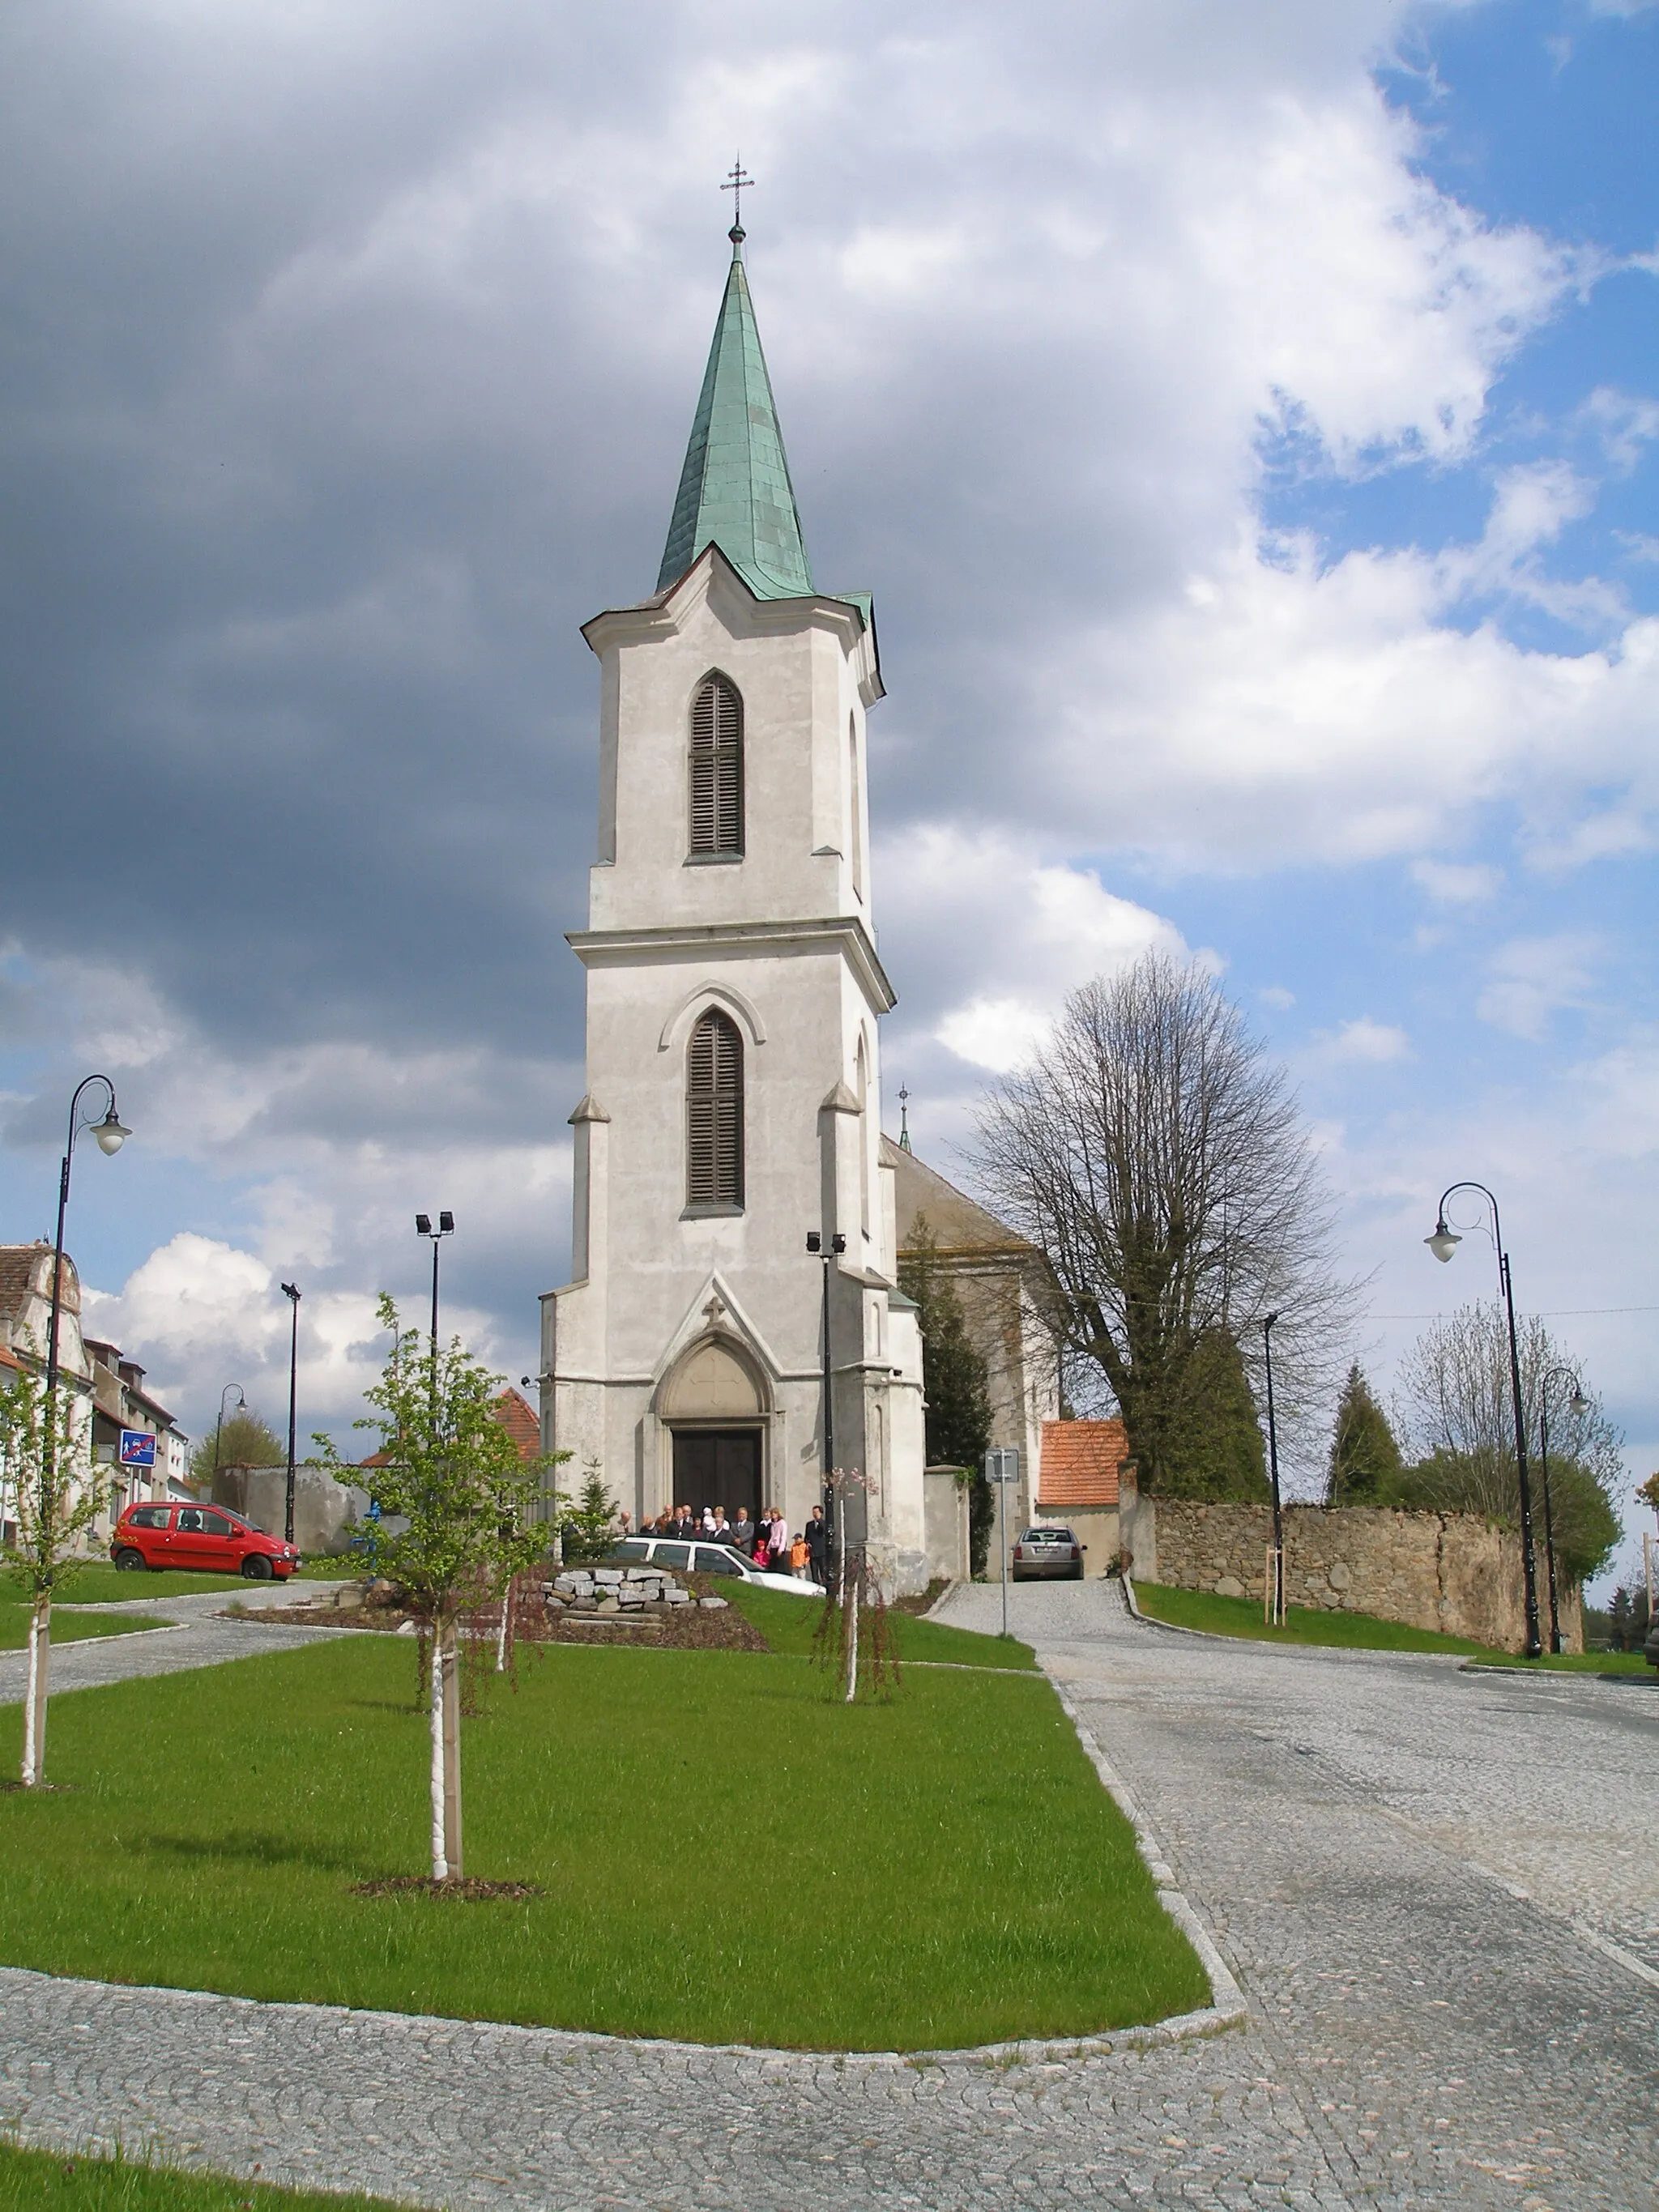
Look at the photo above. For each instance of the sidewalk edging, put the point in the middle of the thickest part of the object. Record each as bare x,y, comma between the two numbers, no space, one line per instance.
1227,2007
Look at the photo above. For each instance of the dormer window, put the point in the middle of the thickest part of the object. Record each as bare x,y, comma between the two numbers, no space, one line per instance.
716,779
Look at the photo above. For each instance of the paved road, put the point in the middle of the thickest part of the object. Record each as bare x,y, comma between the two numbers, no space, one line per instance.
199,1638
1419,2036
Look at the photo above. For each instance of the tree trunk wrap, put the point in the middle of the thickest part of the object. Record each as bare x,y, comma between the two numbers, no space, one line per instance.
451,1747
439,1866
34,1695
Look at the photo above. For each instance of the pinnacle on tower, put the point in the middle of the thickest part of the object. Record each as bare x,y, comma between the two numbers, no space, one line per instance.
734,489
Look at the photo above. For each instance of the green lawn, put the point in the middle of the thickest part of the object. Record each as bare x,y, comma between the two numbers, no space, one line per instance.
47,2181
1351,1631
103,1584
66,1627
788,1623
727,1852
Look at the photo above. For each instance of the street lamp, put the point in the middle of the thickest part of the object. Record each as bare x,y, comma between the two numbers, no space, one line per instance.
1443,1243
291,1292
218,1426
110,1136
1578,1403
446,1228
1277,1612
836,1246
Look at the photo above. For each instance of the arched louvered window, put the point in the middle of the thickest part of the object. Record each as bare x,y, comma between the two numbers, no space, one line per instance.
713,1112
717,767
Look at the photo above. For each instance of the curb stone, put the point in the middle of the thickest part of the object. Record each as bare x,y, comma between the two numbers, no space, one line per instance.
1227,2007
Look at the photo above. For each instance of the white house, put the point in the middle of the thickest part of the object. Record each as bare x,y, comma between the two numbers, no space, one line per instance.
734,998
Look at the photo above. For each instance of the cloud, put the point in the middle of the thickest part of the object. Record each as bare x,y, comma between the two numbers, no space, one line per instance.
1531,979
1449,883
1276,996
1363,1040
1022,933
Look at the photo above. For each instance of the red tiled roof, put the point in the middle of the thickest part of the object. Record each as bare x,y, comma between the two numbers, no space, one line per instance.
520,1420
1079,1463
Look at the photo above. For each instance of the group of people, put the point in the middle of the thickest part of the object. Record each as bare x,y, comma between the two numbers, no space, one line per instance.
767,1541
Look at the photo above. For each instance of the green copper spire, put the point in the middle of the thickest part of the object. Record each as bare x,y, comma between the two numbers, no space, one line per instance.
734,489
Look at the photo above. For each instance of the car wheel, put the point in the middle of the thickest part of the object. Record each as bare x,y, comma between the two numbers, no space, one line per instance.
129,1562
257,1568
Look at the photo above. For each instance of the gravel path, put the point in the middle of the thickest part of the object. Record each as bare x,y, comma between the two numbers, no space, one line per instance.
1419,2036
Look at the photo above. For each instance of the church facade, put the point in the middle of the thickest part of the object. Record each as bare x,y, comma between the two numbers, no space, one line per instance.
734,996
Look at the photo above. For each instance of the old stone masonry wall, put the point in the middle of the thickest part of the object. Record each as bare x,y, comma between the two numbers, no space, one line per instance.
1446,1571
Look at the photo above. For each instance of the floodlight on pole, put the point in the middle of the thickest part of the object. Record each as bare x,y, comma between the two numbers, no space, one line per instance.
291,1292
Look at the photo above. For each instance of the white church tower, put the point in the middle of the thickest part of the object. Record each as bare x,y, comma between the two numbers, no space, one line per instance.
734,997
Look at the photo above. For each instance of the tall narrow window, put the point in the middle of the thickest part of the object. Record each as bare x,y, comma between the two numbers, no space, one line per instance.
713,1112
855,843
716,767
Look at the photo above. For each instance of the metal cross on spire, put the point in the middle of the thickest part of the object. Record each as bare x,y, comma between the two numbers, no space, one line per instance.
737,182
904,1119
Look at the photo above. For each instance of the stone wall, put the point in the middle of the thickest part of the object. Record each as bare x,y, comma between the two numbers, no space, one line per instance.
1449,1573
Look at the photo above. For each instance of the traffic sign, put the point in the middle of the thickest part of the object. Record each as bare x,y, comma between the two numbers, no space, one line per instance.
1002,1464
137,1448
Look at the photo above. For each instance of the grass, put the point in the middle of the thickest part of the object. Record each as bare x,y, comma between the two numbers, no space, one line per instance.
103,1584
66,1627
727,1852
1350,1632
788,1625
47,2181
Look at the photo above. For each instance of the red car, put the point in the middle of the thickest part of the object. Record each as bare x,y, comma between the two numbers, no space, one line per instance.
207,1537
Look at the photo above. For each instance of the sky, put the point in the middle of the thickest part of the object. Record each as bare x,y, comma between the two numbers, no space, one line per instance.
1247,421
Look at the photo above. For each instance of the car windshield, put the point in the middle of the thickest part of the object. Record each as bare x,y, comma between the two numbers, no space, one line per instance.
1048,1536
715,1559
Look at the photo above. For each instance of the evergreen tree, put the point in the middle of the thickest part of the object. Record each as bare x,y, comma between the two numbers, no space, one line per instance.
1364,1463
958,1406
1212,1441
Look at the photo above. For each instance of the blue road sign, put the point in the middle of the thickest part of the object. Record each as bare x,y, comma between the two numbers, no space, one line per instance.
137,1448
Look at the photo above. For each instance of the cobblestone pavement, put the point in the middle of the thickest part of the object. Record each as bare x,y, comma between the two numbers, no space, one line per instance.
1418,2035
200,1639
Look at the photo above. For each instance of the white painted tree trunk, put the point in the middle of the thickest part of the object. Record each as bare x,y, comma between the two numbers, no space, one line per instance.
852,1639
440,1861
501,1635
452,1746
34,1694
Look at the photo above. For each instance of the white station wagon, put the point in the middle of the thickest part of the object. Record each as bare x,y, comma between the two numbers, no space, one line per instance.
675,1553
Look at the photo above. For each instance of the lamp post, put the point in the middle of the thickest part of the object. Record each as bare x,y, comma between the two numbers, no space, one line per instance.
1443,1243
446,1228
110,1136
291,1292
1578,1403
833,1502
1277,1612
218,1426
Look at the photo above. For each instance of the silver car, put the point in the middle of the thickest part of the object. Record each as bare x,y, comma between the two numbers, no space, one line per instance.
1043,1553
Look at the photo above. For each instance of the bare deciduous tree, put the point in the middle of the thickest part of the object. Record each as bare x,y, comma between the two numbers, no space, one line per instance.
1157,1158
1454,1411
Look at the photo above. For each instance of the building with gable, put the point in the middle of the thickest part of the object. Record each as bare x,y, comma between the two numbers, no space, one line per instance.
105,1391
734,995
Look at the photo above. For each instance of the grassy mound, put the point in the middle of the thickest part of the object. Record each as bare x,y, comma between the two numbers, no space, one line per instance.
1349,1631
47,2181
724,1852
